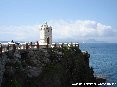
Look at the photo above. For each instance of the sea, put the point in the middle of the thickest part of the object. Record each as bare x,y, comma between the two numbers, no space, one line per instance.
103,59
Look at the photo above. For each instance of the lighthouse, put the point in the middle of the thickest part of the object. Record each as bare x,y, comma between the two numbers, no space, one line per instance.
45,34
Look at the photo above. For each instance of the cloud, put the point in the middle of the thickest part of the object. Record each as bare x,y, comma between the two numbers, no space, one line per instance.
78,30
19,33
82,30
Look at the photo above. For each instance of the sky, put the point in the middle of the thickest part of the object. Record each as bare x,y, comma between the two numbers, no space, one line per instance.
72,20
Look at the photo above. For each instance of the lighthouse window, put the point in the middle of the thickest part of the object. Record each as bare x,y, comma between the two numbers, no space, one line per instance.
48,30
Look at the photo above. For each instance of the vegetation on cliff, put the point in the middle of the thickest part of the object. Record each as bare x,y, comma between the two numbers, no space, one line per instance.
52,67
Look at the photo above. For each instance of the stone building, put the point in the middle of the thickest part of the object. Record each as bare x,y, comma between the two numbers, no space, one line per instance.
45,34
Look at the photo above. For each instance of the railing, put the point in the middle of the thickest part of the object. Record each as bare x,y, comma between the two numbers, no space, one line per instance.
4,47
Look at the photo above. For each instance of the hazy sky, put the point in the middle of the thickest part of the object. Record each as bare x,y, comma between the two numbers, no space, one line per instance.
72,20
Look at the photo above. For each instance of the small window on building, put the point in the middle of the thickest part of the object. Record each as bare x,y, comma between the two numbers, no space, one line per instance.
48,30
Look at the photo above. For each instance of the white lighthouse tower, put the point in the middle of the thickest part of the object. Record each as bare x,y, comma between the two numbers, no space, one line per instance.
45,34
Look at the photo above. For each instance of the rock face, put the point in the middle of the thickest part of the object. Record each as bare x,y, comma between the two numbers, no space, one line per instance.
52,67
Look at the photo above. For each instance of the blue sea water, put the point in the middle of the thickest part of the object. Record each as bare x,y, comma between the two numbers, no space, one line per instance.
103,58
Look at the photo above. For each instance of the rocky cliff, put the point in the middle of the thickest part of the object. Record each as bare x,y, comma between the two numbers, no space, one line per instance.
52,67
